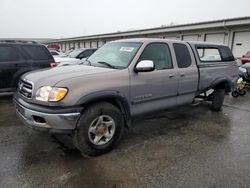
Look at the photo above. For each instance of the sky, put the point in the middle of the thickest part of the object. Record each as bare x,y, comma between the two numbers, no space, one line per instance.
72,18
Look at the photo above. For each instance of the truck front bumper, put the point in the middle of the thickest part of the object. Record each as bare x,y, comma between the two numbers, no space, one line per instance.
56,121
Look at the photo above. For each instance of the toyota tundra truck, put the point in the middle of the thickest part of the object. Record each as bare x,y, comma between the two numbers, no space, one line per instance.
124,79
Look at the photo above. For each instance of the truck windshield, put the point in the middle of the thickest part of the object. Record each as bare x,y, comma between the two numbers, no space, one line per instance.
115,55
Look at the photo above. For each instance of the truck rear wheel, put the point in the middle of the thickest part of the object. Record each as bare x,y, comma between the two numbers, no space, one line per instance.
99,129
218,99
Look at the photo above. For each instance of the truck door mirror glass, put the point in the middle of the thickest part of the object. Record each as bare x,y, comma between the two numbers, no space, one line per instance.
145,66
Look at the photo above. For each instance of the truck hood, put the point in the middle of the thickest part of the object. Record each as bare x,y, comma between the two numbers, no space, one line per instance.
54,75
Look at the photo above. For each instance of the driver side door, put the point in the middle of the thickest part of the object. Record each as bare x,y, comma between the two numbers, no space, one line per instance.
155,90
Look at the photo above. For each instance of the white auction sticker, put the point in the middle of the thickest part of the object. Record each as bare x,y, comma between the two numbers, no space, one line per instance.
126,49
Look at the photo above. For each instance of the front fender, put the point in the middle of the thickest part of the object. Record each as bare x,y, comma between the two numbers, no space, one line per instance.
119,98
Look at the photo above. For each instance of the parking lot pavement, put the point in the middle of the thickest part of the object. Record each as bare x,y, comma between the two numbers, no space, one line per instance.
188,147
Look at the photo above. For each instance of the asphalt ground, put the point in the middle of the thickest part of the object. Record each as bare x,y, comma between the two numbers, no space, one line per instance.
191,146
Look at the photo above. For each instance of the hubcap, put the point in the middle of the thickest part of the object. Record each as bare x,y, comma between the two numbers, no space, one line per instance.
101,130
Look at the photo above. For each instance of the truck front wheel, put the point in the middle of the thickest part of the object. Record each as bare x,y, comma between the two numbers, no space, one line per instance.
218,98
99,129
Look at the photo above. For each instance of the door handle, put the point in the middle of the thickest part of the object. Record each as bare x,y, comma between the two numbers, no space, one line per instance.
182,74
171,75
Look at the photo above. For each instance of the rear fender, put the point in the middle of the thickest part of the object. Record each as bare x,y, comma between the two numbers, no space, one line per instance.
222,83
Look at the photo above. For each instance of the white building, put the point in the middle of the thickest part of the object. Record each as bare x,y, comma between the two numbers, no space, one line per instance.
233,32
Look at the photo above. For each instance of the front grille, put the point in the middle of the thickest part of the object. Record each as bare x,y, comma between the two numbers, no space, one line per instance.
25,88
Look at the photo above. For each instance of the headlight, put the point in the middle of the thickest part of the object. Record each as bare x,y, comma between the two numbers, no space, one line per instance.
48,93
244,70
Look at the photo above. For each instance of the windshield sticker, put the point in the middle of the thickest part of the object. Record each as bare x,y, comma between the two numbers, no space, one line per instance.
127,49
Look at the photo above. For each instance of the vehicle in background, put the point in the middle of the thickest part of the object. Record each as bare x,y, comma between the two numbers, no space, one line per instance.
82,53
56,53
75,57
53,46
245,58
62,61
67,52
244,72
19,57
124,79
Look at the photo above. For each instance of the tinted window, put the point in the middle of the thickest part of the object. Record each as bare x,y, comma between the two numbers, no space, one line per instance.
159,53
85,54
226,53
182,55
8,53
36,52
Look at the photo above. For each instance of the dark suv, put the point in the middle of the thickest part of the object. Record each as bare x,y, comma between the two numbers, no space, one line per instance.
19,57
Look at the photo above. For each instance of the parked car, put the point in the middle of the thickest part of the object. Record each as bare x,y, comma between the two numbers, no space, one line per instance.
19,57
124,79
62,61
82,53
75,57
53,46
245,58
56,53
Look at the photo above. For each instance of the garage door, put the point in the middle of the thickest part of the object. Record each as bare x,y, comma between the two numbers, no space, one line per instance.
190,37
241,43
100,43
87,44
216,38
93,44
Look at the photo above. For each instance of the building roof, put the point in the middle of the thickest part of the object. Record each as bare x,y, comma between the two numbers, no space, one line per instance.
221,23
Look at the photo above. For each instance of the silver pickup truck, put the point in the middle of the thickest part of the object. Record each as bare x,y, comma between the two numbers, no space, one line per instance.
124,79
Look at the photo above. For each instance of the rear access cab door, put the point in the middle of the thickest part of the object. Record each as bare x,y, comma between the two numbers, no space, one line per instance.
188,73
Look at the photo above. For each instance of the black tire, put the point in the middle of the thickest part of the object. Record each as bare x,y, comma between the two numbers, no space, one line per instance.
82,137
242,92
218,99
235,93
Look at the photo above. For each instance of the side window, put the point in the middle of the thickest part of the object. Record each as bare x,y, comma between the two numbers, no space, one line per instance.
159,53
226,53
209,54
182,55
36,52
8,53
85,54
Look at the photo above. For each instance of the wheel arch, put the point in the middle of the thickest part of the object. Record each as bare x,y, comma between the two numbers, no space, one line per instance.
113,97
222,83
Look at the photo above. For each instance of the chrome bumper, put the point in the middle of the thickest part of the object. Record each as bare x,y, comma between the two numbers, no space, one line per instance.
35,119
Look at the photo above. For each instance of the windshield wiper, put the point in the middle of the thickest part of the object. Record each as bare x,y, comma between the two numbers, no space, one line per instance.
107,64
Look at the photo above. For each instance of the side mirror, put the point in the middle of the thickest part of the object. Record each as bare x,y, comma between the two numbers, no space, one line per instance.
145,66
